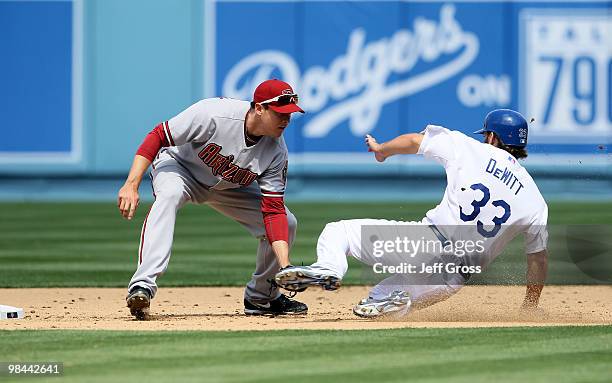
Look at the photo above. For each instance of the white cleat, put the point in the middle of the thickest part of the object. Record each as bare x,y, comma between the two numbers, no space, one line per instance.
395,305
298,278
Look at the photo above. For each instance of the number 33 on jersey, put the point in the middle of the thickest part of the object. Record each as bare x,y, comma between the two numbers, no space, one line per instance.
487,190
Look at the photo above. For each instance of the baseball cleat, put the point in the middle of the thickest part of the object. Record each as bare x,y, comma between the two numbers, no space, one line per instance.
395,305
280,306
298,278
139,302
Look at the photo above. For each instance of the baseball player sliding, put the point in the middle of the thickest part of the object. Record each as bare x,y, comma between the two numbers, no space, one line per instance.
230,155
489,199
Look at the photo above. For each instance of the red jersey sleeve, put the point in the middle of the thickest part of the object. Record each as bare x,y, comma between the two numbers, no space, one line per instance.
155,140
274,216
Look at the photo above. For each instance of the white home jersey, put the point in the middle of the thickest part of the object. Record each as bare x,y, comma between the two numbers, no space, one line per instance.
489,195
208,139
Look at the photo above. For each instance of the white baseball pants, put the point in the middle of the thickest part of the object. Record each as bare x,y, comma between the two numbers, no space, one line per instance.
343,238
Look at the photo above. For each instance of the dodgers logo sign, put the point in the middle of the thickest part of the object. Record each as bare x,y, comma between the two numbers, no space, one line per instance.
381,68
355,86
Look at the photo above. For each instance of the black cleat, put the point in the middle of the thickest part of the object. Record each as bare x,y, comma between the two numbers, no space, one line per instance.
280,306
139,301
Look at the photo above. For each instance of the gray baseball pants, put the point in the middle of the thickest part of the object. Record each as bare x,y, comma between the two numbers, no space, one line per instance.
174,186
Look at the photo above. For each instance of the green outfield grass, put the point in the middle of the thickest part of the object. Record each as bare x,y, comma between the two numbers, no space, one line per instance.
552,354
89,244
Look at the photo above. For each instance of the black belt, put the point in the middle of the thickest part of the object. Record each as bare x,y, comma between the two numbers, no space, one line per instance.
444,241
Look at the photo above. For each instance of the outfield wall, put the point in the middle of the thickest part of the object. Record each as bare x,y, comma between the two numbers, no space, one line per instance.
85,80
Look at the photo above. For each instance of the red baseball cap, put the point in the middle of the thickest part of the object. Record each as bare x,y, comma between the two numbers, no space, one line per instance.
278,95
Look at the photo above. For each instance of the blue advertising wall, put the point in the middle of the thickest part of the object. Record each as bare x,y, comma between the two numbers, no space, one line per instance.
385,68
38,100
86,80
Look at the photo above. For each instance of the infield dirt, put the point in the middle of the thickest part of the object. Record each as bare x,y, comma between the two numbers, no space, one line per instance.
220,308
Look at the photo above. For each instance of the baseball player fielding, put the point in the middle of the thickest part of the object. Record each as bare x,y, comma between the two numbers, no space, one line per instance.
230,155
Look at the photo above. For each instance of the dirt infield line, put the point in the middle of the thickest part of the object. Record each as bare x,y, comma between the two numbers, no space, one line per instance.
220,309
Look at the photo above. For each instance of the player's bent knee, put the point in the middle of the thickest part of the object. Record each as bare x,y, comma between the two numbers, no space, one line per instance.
291,222
175,195
333,226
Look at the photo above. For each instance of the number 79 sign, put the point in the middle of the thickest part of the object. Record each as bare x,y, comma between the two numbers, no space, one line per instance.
566,74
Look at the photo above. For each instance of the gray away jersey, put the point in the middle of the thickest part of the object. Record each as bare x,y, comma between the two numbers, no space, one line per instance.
208,139
489,195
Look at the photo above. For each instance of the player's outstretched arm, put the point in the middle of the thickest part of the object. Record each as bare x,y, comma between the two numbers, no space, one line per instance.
404,144
128,198
537,267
